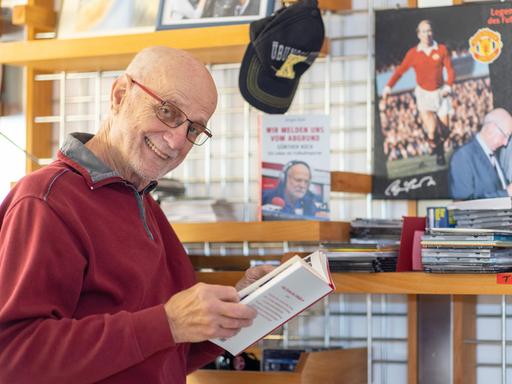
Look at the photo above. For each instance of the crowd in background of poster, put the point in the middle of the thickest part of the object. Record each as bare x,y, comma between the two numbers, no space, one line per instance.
295,168
443,97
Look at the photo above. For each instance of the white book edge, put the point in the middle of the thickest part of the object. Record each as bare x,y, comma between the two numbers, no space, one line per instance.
493,203
279,296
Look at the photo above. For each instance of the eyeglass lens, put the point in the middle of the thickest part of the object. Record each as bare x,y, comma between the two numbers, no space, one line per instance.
174,117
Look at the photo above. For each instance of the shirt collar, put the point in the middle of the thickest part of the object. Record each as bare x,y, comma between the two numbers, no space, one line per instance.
484,146
427,50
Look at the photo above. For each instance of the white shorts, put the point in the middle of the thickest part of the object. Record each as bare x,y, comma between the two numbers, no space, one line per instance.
432,101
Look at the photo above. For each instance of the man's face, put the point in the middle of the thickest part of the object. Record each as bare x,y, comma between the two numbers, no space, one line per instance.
502,135
148,148
297,181
425,33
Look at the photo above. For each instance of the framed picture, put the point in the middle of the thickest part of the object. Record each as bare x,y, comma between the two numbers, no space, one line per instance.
200,13
436,86
86,18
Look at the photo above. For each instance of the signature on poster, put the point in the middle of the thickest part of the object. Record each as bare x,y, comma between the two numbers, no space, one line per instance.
397,186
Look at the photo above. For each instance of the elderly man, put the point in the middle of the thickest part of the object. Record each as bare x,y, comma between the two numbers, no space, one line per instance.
292,193
474,170
94,284
428,59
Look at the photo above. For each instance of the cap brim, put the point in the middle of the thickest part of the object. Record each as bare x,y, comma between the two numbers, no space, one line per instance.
261,88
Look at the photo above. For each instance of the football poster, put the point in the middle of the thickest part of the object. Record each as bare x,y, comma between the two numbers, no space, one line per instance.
443,96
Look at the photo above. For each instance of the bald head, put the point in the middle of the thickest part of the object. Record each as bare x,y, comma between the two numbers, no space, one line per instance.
163,66
496,128
498,115
425,34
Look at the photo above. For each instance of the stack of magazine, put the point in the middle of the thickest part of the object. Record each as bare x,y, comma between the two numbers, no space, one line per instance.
376,231
495,213
346,257
466,250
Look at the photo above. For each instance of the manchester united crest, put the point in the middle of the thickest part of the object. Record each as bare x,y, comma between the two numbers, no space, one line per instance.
485,45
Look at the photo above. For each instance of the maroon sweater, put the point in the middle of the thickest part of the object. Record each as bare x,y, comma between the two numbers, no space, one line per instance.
86,263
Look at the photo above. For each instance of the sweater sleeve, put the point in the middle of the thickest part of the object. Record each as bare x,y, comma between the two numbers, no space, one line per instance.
201,354
402,68
42,265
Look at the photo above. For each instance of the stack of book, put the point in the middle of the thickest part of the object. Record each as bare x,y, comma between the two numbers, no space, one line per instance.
197,210
347,257
495,213
466,250
375,231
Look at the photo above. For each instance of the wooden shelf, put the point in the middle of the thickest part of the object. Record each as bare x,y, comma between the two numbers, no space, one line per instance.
395,283
327,367
351,182
213,45
262,231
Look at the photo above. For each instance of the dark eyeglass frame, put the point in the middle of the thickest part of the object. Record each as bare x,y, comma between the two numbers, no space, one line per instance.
191,123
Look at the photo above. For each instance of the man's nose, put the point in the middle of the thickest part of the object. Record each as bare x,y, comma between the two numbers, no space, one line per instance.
176,138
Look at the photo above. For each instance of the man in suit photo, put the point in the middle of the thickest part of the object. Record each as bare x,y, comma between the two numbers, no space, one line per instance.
475,171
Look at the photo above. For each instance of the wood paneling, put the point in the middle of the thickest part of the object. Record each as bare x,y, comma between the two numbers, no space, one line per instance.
38,103
351,182
412,339
464,328
226,232
35,16
335,5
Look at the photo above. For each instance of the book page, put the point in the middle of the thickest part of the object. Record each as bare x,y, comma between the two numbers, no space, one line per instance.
277,301
269,276
318,262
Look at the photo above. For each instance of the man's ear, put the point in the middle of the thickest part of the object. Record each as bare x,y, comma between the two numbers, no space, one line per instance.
118,92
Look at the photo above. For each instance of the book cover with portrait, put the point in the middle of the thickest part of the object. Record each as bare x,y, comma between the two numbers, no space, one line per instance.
295,168
442,100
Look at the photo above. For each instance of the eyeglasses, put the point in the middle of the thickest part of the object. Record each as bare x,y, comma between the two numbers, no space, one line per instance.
173,117
507,136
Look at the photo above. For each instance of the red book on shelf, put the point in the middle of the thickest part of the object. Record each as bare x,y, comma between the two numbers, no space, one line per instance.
409,226
417,264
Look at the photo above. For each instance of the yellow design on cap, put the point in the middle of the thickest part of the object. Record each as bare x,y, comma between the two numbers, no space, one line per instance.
286,71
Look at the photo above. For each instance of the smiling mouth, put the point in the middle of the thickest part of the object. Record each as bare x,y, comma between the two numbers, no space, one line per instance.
153,147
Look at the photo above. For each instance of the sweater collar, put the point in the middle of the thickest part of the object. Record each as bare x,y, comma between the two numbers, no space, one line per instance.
74,153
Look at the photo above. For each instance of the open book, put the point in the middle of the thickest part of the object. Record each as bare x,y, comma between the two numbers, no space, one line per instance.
280,295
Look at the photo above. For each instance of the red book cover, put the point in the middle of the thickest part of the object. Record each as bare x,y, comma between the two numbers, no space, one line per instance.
417,264
409,226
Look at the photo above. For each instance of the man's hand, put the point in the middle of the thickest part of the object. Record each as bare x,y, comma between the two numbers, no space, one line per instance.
253,274
446,90
207,311
509,189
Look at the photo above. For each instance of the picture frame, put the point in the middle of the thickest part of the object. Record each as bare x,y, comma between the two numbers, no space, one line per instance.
90,18
174,14
434,85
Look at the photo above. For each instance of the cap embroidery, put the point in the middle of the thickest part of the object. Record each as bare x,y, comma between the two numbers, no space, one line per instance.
286,71
280,51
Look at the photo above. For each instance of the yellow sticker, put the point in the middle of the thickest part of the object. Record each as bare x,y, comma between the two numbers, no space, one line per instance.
485,45
286,71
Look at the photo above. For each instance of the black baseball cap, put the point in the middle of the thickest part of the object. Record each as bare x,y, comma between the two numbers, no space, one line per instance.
282,47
